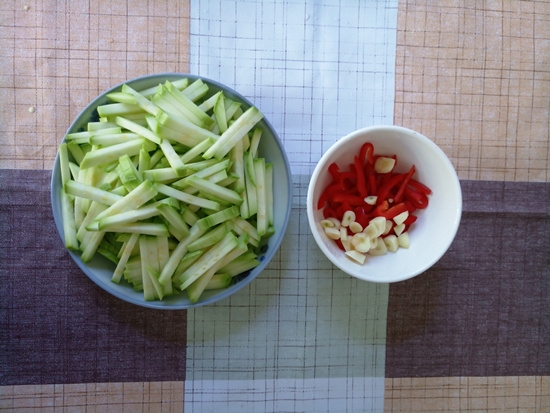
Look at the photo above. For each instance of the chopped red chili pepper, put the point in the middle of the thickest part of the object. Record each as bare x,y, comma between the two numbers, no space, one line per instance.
334,171
348,179
360,176
381,208
418,199
395,193
420,186
410,207
394,211
366,153
362,215
410,219
370,179
404,183
345,206
352,200
329,213
387,186
328,193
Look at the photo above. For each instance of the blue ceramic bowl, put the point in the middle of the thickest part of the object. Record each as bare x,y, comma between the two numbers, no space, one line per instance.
100,270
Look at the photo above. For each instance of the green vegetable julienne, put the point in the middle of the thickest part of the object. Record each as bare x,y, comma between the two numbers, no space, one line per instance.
168,185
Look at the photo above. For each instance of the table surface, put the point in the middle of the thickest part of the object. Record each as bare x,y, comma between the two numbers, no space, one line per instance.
470,334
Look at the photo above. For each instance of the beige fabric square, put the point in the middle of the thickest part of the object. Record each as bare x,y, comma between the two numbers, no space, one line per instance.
95,397
474,77
56,57
467,394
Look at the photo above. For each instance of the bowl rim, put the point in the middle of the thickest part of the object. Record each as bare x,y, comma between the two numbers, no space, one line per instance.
322,163
162,304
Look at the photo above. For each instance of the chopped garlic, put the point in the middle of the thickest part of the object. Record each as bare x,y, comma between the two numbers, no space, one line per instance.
398,229
361,242
391,243
325,223
403,240
357,256
337,223
384,165
380,248
355,227
371,230
332,233
380,222
399,219
347,244
348,218
343,234
374,242
371,200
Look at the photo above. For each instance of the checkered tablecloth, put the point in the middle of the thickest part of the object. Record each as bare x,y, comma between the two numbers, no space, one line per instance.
470,334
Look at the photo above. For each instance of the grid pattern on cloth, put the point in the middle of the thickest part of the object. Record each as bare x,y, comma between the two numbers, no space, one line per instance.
475,78
56,326
166,397
291,395
302,324
55,57
302,65
482,310
500,394
299,327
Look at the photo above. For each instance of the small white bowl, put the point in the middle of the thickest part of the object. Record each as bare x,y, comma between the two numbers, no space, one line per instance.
436,226
100,270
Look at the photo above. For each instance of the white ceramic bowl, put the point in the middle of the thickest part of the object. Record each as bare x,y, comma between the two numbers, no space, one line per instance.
436,226
100,270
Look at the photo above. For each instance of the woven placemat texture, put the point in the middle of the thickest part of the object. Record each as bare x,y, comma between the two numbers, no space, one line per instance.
468,394
475,78
471,334
165,397
56,57
56,326
482,310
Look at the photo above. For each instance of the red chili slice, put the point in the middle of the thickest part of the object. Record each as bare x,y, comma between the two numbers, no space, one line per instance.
334,171
420,187
381,208
410,220
329,213
404,183
352,200
342,209
370,179
387,186
348,179
394,211
410,207
366,153
418,199
328,193
362,216
360,176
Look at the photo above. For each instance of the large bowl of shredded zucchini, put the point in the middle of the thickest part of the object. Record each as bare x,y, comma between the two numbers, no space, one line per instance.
171,191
